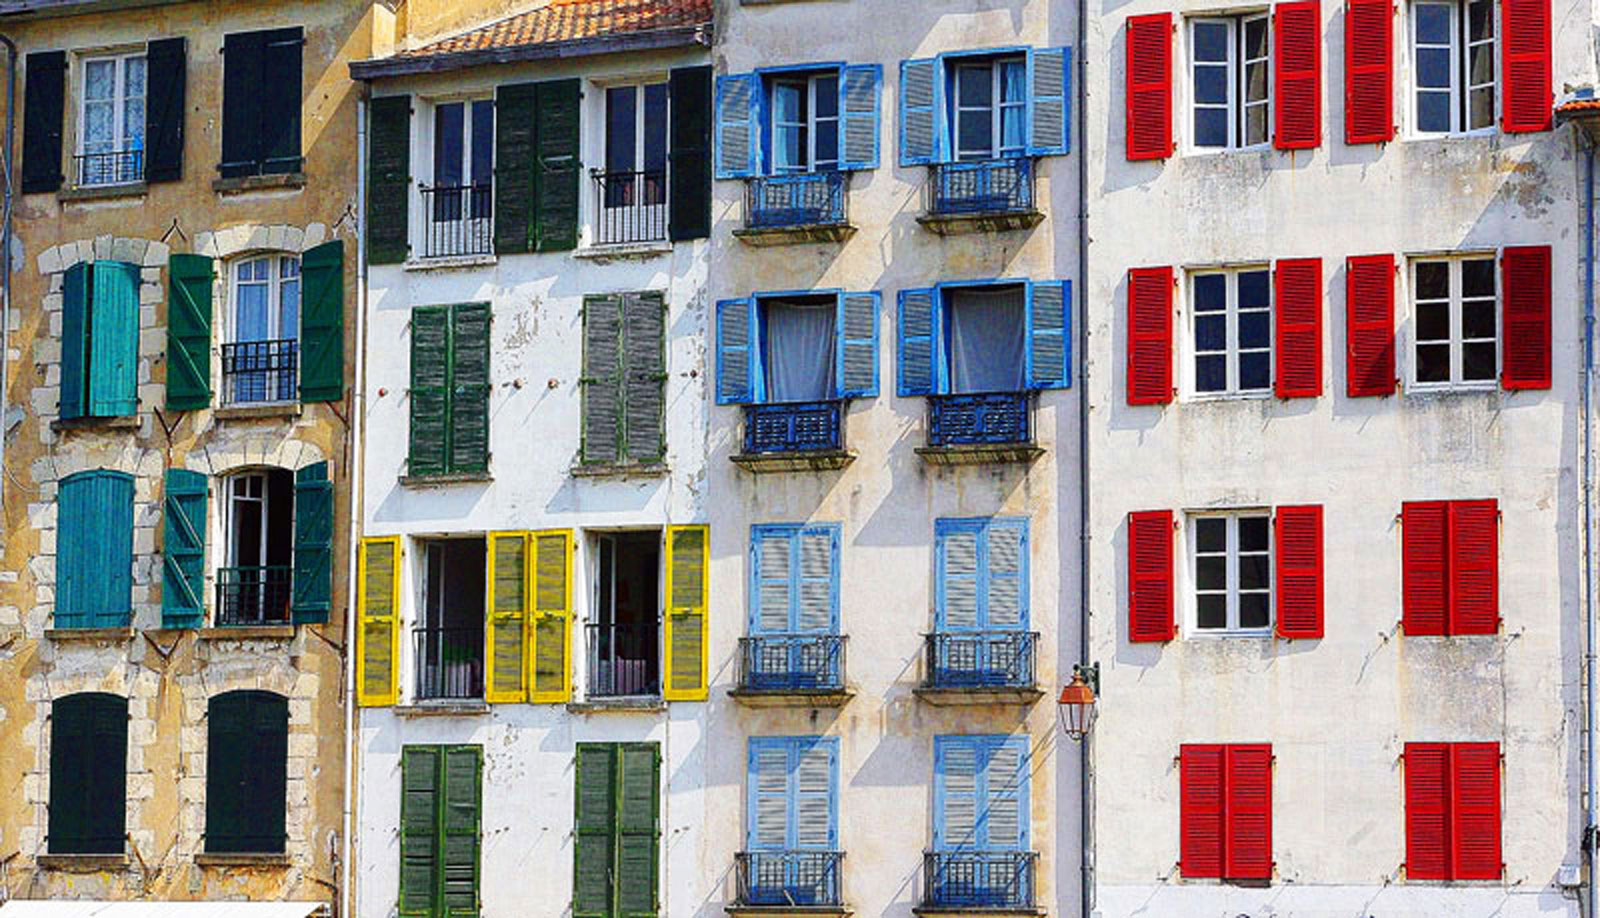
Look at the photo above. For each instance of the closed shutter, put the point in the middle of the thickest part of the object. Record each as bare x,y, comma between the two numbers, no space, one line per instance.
813,766
1247,840
738,126
1149,91
860,87
550,643
113,340
918,328
920,120
689,153
1299,574
1297,317
958,600
638,829
76,289
430,390
688,557
247,758
1368,71
1369,320
644,372
1049,324
1005,570
1424,567
1525,274
1474,567
43,111
509,580
857,346
1202,789
88,774
189,283
956,760
1150,336
469,388
736,351
242,90
313,545
1004,823
460,831
602,389
594,830
166,77
557,165
281,70
420,794
1150,606
816,580
183,549
1297,74
1525,65
772,563
1049,78
94,550
322,323
1475,811
1427,800
377,605
389,180
767,789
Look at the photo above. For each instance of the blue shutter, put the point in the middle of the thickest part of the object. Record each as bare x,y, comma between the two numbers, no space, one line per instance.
183,549
738,379
813,793
956,763
960,583
772,564
860,88
980,787
767,788
1003,782
921,114
816,575
1049,83
94,550
113,340
1049,324
1003,564
918,328
313,545
738,126
856,373
75,340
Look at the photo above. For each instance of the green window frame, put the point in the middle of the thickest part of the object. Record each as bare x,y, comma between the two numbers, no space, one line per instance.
450,390
616,857
441,807
624,378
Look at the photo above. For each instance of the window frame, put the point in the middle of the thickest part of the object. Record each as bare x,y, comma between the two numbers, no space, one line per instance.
274,282
809,120
995,63
640,85
1460,87
1236,65
1232,591
1456,340
119,100
1189,349
980,528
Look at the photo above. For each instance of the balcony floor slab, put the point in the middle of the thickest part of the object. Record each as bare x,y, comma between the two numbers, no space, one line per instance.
939,911
980,453
767,236
961,224
822,460
778,911
976,695
792,698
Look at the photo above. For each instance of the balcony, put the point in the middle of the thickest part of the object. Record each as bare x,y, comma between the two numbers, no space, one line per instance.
254,372
986,881
458,221
792,670
253,596
980,428
630,208
794,437
787,882
449,664
980,667
117,167
623,660
789,209
985,196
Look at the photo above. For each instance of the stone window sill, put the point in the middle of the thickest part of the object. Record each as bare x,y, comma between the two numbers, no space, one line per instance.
247,633
101,192
83,863
428,481
259,182
445,263
126,422
622,470
226,859
624,250
105,635
628,704
247,412
464,708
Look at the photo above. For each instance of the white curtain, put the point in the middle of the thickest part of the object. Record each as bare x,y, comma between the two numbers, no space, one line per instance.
986,339
797,350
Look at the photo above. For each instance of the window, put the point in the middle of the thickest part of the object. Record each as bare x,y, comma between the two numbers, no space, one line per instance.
1232,572
624,380
450,390
88,774
1453,65
991,106
1232,331
258,517
1232,100
617,837
792,835
1457,321
1452,811
636,144
94,550
797,349
260,362
976,107
811,119
794,640
774,348
441,812
261,97
805,122
980,789
1225,811
1450,567
624,637
111,124
530,615
99,340
459,204
1007,337
247,759
983,574
450,628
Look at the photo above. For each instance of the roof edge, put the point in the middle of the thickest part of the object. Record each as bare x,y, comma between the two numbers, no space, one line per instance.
12,10
655,39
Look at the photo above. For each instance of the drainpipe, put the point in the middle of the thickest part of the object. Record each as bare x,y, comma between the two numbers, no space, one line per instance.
5,246
1086,768
1591,835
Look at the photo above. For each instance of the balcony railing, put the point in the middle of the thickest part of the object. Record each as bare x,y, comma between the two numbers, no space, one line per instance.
449,663
981,659
458,220
994,186
806,199
979,879
260,371
793,427
630,207
118,167
987,419
788,878
624,660
253,596
792,663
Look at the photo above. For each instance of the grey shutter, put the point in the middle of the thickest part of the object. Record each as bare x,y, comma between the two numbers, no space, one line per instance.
857,348
1048,83
644,375
602,401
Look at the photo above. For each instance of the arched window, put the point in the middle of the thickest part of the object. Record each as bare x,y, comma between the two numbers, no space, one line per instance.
88,774
247,761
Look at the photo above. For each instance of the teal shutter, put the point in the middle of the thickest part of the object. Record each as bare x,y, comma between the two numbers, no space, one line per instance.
460,831
857,347
189,284
420,794
514,160
247,759
1049,82
738,126
602,391
114,340
918,328
313,545
389,181
183,549
921,122
1049,325
859,89
88,774
469,388
644,319
322,323
94,550
595,822
76,290
430,392
556,133
737,377
638,830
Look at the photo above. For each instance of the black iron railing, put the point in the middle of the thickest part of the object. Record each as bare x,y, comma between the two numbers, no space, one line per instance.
624,660
806,199
260,371
253,595
979,879
449,662
793,427
989,418
118,167
981,659
630,207
788,878
791,663
458,220
994,186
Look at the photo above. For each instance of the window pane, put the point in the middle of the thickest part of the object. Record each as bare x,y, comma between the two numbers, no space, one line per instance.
788,103
1477,360
1481,68
1255,290
1210,292
1211,85
1253,610
289,299
1433,23
1433,112
986,328
1480,20
827,143
1211,534
1255,371
133,124
1211,611
482,142
974,85
1211,373
1477,319
1433,363
1255,329
1253,533
1253,572
99,80
1255,125
1433,67
1433,280
1480,108
621,128
1433,322
827,96
974,134
99,123
1210,333
1210,127
1255,81
1211,572
1210,41
1255,38
133,78
1012,135
448,123
1477,278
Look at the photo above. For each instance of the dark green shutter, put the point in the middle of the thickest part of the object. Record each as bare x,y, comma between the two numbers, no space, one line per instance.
389,180
313,545
247,760
419,830
469,388
281,68
644,317
183,549
322,323
638,830
114,340
594,853
514,168
430,394
88,774
556,187
441,808
461,823
241,103
602,406
166,78
75,292
189,283
43,111
689,90
94,550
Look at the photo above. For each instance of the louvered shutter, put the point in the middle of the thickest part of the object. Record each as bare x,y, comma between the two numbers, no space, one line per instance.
1297,321
644,318
1149,90
1525,274
955,790
594,830
322,323
1049,81
469,388
1299,572
509,581
1247,839
689,153
461,827
1474,567
420,793
1427,798
94,550
772,566
313,545
76,290
1005,574
638,829
1201,792
189,283
279,101
166,68
114,340
602,388
816,573
1424,568
856,373
1150,336
768,794
515,161
860,87
1150,605
1525,65
1297,74
958,589
247,757
1004,821
43,112
430,390
88,774
1049,324
815,769
377,605
558,167
1475,811
738,126
688,557
389,180
551,641
1369,320
183,549
1368,71
918,328
736,351
921,123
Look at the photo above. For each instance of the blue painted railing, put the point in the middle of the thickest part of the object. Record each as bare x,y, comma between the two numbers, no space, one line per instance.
990,418
993,186
805,199
793,427
979,879
981,659
792,662
788,878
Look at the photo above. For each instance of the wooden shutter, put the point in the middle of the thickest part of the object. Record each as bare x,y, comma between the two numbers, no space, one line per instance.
88,774
377,604
1005,571
114,340
860,86
736,351
689,153
1368,71
1474,567
1299,571
420,794
430,391
594,829
1150,601
688,558
1049,324
738,131
1369,319
1427,798
1475,811
280,100
958,590
918,328
644,376
956,760
247,759
772,574
769,793
1297,74
816,580
856,350
189,283
322,323
469,388
43,112
94,550
638,829
510,578
1525,276
1149,99
460,830
166,76
389,179
1297,321
76,290
602,388
1201,792
515,160
1247,839
183,549
550,644
1004,823
557,166
1424,567
313,545
1150,335
242,90
1525,65
921,124
1049,80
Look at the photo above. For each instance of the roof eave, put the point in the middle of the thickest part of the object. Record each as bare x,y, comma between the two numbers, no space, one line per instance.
653,40
12,10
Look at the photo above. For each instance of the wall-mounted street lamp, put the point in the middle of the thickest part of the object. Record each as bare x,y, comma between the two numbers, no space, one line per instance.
1076,706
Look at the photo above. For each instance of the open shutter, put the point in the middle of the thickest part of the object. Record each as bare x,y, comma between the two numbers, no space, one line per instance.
736,351
1247,839
1525,66
88,774
313,545
860,88
956,761
183,549
1474,567
738,126
114,340
1049,81
243,88
602,390
43,111
688,557
1201,790
857,347
189,283
1297,317
1369,320
1150,336
322,323
1297,74
280,100
920,118
551,622
556,175
1049,323
1428,833
469,388
918,328
644,318
377,604
1150,608
389,180
165,75
1368,71
1299,574
689,153
76,290
594,828
1004,823
1525,275
461,824
508,616
1475,811
420,793
1425,604
430,390
638,829
1149,92
514,163
94,550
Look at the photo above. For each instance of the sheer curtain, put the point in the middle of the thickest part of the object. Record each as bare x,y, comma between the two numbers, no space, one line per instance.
797,350
986,346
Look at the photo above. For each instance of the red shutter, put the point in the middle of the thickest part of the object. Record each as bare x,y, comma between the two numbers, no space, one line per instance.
1150,86
1525,65
1474,567
1427,770
1368,71
1299,574
1297,73
1369,322
1475,814
1150,576
1247,836
1200,787
1525,278
1297,323
1425,604
1149,336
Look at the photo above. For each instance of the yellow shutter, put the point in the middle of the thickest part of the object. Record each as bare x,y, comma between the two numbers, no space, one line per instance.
688,557
508,616
550,641
378,609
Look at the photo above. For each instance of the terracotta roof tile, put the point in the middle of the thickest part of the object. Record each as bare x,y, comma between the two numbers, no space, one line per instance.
572,20
1579,105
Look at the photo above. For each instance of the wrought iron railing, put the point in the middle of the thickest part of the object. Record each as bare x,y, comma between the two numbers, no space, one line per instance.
260,371
981,659
979,879
793,427
117,167
449,663
805,199
458,220
630,206
624,660
993,186
788,878
989,418
253,595
791,662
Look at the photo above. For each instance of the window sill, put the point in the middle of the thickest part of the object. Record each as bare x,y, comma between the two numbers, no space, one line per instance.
607,251
462,708
251,411
962,224
980,453
931,911
1430,390
126,422
207,859
830,911
953,696
246,633
429,481
795,235
821,460
1223,634
246,183
445,263
628,704
1251,395
792,698
101,192
82,863
89,635
620,470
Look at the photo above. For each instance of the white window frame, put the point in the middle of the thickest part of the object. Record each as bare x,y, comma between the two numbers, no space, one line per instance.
119,100
638,85
1231,349
812,120
1236,64
1231,590
1460,55
274,284
995,110
230,515
1457,340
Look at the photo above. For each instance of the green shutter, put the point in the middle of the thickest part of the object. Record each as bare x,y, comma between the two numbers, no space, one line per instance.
75,293
114,340
189,283
183,549
638,830
419,830
557,175
389,180
469,388
88,774
690,154
644,317
94,550
430,393
602,400
313,545
322,323
515,105
594,853
247,759
441,807
616,857
462,817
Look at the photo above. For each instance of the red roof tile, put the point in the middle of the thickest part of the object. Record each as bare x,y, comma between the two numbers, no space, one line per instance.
572,20
1579,105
